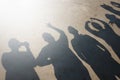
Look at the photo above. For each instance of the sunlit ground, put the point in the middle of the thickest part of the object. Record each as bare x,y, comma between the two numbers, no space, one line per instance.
26,20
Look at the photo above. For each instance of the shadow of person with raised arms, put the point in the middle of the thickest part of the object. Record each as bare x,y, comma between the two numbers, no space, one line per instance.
95,54
19,65
66,65
111,9
106,34
115,4
113,19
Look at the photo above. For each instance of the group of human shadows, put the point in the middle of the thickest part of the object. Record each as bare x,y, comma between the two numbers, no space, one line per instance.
20,65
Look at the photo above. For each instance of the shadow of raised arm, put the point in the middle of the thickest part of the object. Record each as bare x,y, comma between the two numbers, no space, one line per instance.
87,27
106,34
111,9
115,4
58,30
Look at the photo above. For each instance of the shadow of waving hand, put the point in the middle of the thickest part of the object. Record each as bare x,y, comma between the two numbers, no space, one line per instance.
106,34
57,52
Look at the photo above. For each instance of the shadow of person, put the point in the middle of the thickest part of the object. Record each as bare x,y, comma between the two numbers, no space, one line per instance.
111,9
115,4
66,65
113,19
95,54
106,34
19,65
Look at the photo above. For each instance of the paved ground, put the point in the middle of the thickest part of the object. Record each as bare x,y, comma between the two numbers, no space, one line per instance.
27,20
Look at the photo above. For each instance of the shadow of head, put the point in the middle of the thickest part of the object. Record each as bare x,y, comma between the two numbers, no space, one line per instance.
14,44
110,16
72,30
48,37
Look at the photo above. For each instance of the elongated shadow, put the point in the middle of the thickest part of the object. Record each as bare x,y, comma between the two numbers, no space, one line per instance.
106,34
111,9
115,4
19,65
66,65
113,19
95,54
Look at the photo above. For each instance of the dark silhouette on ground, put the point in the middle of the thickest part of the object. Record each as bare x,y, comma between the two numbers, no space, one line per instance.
66,65
113,19
19,65
106,34
95,54
111,9
115,4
